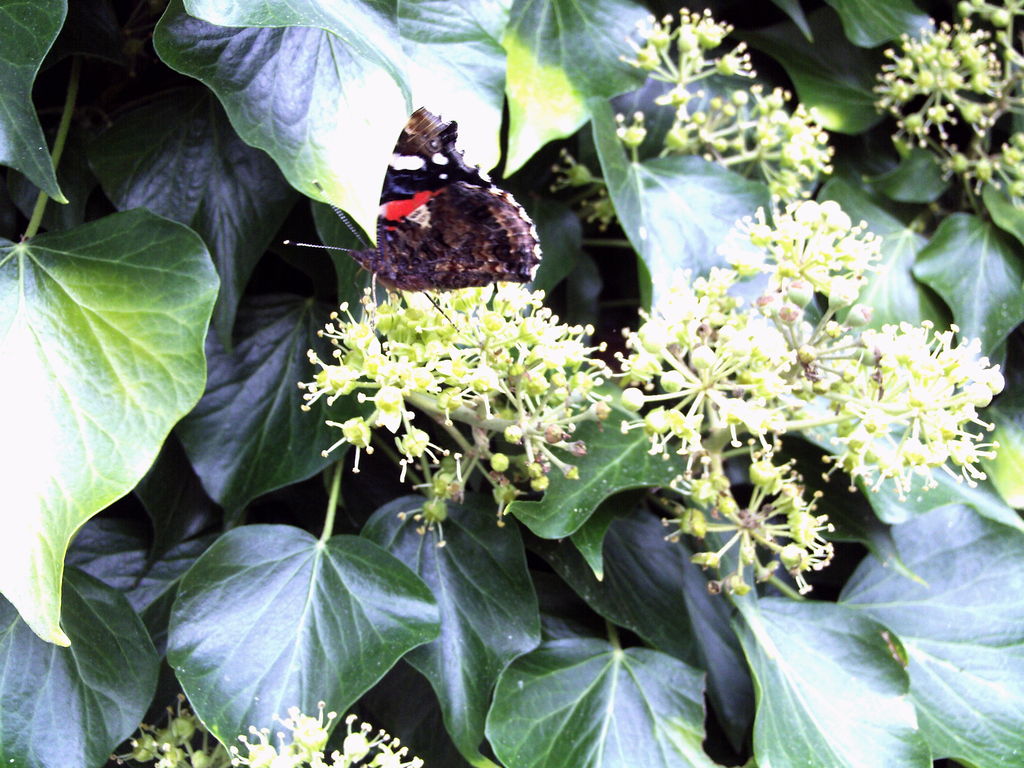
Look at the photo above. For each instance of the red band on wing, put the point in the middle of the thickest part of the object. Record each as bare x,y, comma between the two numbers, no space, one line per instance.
397,210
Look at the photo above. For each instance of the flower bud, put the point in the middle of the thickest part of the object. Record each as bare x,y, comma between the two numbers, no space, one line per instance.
499,462
513,434
632,399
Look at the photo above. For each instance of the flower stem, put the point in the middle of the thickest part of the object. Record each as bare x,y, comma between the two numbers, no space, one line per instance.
332,503
58,144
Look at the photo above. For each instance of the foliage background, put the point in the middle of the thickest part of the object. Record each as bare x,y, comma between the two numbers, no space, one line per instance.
154,329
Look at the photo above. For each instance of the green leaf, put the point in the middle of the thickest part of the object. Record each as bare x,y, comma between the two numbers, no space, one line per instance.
101,328
977,271
1004,471
589,537
677,614
829,691
676,211
117,553
193,168
614,462
962,629
584,703
1004,213
917,178
252,402
322,111
91,29
488,608
75,179
73,706
869,23
796,14
562,53
892,292
27,30
561,233
831,75
269,618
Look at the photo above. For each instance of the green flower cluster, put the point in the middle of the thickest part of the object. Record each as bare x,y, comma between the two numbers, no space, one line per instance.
955,73
499,379
309,739
706,373
183,743
742,128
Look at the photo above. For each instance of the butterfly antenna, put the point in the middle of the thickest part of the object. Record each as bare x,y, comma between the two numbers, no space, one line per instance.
437,306
344,218
314,245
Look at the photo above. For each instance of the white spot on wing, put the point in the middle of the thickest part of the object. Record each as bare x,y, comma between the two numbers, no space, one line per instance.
407,162
439,159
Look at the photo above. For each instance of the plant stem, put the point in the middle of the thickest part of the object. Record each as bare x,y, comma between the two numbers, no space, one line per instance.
332,503
785,589
58,144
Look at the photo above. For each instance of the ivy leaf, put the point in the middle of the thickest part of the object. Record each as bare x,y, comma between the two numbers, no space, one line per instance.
27,30
1006,215
194,169
851,714
962,628
101,329
488,608
305,96
74,705
869,23
892,292
614,462
267,604
116,553
917,179
251,402
834,77
976,270
1004,469
677,614
562,53
676,211
75,179
584,703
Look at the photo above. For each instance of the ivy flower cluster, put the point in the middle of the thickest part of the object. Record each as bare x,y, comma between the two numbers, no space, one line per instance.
182,743
712,379
961,73
308,740
501,383
742,128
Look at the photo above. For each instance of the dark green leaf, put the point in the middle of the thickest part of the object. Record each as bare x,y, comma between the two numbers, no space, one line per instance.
586,704
917,179
1004,213
117,553
73,706
676,211
868,23
560,233
75,179
1004,471
829,691
252,402
269,618
962,628
193,168
27,30
677,614
488,607
174,499
351,278
420,727
91,29
977,271
302,94
831,75
589,537
562,53
796,14
103,326
614,462
892,293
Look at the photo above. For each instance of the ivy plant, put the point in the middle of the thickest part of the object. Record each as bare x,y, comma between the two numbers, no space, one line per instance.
734,481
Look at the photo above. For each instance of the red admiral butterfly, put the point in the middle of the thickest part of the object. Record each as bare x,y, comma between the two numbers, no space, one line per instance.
442,223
